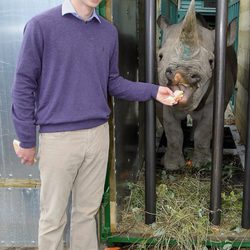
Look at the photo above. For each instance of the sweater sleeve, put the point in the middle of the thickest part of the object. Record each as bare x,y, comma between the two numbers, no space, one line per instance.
125,89
25,84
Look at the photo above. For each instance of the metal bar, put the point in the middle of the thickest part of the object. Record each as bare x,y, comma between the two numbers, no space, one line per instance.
151,241
246,190
150,187
20,183
218,117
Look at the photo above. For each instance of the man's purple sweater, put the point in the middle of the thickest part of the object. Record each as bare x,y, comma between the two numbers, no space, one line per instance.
65,71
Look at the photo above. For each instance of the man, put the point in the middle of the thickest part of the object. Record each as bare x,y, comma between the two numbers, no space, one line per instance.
67,67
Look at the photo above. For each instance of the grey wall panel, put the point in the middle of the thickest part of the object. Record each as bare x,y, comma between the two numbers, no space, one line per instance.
19,215
13,16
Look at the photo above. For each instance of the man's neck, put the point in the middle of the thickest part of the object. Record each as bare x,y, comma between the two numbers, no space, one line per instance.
82,9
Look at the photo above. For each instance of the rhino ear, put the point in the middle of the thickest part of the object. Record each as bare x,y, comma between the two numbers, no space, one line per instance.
162,23
231,32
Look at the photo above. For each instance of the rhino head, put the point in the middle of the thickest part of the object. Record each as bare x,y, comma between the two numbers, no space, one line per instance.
186,58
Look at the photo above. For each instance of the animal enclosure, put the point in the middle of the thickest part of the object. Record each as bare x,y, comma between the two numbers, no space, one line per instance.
122,212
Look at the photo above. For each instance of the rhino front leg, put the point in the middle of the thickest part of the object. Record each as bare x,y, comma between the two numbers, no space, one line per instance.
173,158
202,140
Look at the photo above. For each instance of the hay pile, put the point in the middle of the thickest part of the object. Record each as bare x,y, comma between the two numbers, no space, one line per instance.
182,212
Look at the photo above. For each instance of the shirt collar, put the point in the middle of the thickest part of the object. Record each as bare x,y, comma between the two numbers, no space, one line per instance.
68,8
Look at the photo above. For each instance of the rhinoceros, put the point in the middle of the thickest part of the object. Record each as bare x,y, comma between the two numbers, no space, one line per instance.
186,62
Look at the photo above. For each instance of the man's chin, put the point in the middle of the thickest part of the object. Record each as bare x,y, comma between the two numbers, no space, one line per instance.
90,3
94,3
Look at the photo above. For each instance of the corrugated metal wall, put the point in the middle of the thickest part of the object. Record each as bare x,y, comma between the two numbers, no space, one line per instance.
243,68
19,192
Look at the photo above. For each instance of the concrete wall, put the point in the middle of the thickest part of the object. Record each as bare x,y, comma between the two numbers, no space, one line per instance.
243,80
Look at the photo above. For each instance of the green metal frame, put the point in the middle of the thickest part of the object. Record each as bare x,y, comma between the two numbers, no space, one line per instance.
169,9
104,212
101,9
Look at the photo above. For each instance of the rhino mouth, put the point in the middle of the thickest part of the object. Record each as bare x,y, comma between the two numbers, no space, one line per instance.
186,83
187,93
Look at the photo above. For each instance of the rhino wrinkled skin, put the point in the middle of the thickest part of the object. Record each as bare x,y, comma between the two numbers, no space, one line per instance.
186,62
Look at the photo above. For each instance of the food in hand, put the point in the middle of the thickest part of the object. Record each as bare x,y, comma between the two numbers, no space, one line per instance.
16,145
178,94
171,99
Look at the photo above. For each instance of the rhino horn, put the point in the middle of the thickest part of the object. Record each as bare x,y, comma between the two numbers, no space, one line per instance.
189,34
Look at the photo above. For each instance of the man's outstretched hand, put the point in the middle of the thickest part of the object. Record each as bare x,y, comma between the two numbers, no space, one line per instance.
166,96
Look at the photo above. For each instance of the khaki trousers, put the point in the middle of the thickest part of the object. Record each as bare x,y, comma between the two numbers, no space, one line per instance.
71,161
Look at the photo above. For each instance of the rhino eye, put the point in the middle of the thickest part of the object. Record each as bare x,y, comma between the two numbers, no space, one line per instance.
195,78
160,56
211,62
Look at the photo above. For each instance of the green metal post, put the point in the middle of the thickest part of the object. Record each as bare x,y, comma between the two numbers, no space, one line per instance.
105,230
101,9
